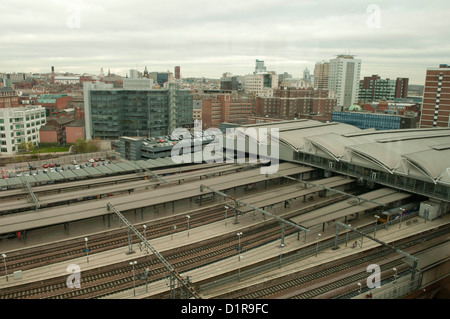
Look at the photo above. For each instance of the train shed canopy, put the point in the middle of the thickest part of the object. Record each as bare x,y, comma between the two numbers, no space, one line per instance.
416,160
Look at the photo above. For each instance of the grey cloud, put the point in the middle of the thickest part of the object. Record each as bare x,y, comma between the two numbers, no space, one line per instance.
208,38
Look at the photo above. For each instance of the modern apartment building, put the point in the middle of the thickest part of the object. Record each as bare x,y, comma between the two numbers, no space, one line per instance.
436,98
343,78
20,125
114,112
374,88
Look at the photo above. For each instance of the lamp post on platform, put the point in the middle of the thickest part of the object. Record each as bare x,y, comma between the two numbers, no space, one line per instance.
132,263
239,258
6,269
87,249
188,217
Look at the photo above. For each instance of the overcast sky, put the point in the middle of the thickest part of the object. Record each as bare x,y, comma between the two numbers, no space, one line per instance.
398,38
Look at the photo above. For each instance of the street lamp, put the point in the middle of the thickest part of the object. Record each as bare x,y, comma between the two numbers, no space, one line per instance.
6,269
375,228
132,263
226,214
87,249
346,236
239,258
401,215
317,246
174,229
188,217
395,274
145,228
360,287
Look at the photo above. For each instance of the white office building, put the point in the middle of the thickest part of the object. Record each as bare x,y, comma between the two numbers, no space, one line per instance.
20,125
260,84
343,78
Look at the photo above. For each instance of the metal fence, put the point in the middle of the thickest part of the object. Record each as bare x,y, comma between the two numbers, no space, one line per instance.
397,289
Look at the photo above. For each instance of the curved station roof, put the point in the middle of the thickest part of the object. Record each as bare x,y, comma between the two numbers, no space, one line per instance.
417,153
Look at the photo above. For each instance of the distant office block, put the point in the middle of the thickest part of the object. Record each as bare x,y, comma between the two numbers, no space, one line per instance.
377,121
343,78
374,88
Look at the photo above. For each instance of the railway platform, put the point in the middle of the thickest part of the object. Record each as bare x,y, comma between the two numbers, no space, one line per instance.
194,235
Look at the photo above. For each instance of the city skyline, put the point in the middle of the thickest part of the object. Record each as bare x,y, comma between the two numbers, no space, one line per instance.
400,39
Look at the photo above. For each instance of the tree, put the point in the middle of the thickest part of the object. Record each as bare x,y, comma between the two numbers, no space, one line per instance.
82,146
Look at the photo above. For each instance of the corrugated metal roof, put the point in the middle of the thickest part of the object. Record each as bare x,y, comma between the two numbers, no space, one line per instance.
93,171
80,172
68,174
55,176
42,177
101,169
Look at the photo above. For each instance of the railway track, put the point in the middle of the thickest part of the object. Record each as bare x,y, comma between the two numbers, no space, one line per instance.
113,278
46,254
56,252
184,258
324,279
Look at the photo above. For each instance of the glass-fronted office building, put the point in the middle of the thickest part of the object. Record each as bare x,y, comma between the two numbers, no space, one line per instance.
112,113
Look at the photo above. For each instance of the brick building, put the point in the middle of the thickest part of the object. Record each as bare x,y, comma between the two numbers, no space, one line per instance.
293,103
55,130
436,98
8,98
54,104
374,88
74,131
230,108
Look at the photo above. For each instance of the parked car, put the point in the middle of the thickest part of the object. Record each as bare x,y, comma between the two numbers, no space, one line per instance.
91,160
74,162
45,166
51,165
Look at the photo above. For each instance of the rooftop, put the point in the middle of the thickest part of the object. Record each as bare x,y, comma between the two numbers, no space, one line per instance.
417,153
